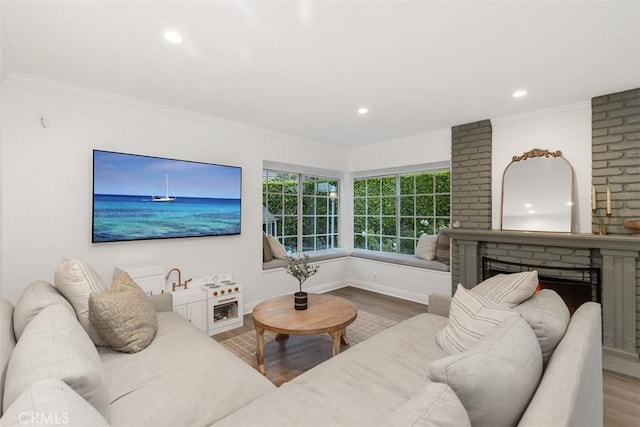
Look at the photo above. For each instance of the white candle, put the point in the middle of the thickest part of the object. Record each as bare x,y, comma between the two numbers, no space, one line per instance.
593,197
608,201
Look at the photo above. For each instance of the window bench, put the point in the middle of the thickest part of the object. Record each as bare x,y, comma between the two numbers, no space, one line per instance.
393,258
314,256
401,259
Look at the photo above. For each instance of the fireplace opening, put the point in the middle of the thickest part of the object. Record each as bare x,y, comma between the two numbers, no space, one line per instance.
575,285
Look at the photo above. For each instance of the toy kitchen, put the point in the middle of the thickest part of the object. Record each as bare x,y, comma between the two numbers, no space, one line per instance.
212,303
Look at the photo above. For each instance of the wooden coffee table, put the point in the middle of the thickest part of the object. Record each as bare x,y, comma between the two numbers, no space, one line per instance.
326,314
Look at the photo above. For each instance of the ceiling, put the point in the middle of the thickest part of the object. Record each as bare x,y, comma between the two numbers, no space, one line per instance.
305,67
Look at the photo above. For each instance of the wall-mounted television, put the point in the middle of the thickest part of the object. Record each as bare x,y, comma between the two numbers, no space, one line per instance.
138,197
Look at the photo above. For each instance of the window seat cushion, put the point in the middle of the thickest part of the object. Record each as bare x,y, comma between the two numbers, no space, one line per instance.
402,259
314,256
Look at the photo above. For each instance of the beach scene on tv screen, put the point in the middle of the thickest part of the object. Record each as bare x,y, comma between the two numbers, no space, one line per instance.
138,197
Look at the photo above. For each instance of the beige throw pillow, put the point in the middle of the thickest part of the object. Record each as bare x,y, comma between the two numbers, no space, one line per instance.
267,255
508,289
548,316
38,296
277,249
123,316
426,247
443,252
471,317
76,280
495,379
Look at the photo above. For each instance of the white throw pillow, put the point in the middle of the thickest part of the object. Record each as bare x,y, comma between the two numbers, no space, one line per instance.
436,405
277,249
471,317
426,247
548,316
76,280
495,379
508,289
38,296
54,345
51,402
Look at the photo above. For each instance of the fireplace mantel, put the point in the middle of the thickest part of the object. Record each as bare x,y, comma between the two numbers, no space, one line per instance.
538,238
616,255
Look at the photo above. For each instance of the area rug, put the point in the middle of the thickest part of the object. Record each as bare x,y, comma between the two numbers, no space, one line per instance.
365,326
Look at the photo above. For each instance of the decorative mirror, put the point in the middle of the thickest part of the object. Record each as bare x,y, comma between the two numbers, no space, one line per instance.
537,192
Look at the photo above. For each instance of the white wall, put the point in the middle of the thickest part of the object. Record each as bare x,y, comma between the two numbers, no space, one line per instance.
47,176
566,128
405,282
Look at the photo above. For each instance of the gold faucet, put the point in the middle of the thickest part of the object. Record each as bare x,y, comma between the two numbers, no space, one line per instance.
179,284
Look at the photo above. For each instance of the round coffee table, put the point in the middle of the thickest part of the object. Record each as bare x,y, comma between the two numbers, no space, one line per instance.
326,314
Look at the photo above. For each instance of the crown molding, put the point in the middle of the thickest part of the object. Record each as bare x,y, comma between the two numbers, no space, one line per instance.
34,81
545,111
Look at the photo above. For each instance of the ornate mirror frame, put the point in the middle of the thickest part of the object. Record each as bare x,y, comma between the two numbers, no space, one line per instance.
537,193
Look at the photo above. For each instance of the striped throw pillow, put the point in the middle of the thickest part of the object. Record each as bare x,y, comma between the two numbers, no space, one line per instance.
508,290
471,317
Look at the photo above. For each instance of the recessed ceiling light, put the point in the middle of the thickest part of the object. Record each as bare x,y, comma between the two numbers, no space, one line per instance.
173,37
519,93
532,211
363,110
528,205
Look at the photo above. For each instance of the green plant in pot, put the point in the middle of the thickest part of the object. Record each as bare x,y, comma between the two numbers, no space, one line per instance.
298,266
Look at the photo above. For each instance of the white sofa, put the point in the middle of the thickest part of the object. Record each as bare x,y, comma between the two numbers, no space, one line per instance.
186,378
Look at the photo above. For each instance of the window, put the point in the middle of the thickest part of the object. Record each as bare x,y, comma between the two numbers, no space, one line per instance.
391,212
300,210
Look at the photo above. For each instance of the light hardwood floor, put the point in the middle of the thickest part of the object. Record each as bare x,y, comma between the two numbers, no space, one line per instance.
621,394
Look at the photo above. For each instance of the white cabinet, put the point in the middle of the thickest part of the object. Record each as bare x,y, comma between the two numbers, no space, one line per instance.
194,312
192,305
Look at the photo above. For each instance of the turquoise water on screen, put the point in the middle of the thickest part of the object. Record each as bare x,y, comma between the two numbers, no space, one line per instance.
117,218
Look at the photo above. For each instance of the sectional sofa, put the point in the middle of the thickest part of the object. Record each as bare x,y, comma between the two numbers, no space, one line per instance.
535,368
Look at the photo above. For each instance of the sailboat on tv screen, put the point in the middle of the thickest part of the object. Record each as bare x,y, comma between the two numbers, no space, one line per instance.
166,197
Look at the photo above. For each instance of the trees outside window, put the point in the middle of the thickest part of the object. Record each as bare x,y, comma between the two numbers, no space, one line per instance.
392,212
300,210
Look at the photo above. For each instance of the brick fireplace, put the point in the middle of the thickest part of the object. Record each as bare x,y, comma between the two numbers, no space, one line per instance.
615,157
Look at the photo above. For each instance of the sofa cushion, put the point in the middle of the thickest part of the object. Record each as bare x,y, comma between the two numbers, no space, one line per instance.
123,316
54,345
496,378
471,317
548,316
426,247
51,402
436,405
183,378
76,280
7,341
36,297
361,386
508,289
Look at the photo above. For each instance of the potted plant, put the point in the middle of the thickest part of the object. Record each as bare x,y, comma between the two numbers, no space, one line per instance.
298,266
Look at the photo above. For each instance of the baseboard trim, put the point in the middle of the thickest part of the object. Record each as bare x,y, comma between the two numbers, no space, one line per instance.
621,362
386,290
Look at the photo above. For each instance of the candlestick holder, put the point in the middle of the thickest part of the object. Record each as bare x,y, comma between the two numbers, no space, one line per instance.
602,225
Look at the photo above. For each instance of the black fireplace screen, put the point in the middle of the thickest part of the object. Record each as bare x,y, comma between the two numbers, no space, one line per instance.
576,285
